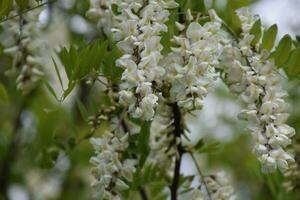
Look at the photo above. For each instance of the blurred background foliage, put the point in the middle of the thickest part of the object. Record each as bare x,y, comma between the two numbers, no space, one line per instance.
44,148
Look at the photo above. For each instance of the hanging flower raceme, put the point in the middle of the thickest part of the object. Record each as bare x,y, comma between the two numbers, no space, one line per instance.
137,28
111,171
164,89
23,43
191,65
217,186
100,11
252,75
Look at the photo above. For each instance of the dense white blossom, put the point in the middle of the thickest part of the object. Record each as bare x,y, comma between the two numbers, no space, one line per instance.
151,84
137,28
252,75
100,11
191,65
111,171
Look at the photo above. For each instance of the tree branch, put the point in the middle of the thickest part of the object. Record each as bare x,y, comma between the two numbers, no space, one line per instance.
201,175
178,131
143,193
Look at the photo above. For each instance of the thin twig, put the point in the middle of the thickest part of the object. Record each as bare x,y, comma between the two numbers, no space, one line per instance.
26,10
143,193
201,175
177,132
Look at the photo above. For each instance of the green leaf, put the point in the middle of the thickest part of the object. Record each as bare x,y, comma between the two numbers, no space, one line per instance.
71,142
5,7
232,20
70,88
298,38
51,90
143,142
198,5
282,51
99,48
172,30
81,67
47,157
199,144
209,148
58,74
269,38
109,68
114,8
1,48
83,111
292,66
53,153
3,94
256,30
67,58
22,3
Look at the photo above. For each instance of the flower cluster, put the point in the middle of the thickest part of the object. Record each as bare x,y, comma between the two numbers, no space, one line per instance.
191,65
111,171
152,84
252,75
100,11
137,28
23,44
218,188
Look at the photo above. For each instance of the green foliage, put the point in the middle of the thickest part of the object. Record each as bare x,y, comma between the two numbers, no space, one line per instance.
22,3
47,157
202,147
194,5
172,30
283,50
82,109
232,19
292,67
61,128
269,38
5,7
109,68
256,30
150,178
143,142
3,94
89,60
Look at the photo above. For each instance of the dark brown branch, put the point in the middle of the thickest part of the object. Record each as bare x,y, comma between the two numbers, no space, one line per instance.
177,132
143,193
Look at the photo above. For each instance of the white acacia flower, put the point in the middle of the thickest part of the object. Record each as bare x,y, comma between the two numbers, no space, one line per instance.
137,29
99,11
24,44
191,66
259,88
110,170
